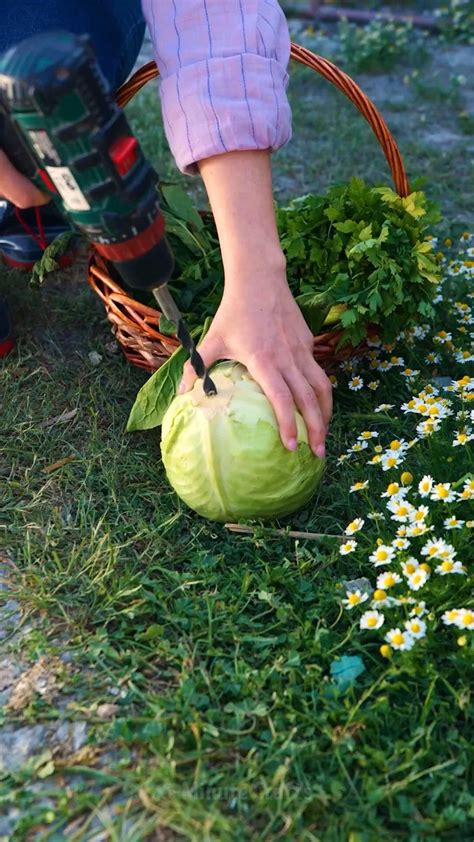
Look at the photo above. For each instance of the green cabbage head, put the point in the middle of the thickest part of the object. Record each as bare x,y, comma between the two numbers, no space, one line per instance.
223,454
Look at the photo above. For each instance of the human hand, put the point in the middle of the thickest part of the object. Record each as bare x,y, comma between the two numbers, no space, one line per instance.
261,326
17,188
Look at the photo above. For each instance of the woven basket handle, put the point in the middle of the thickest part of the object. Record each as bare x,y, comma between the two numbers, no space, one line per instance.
330,72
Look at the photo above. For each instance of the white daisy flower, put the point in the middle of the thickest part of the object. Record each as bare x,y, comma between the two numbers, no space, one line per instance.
384,407
398,446
390,460
442,491
453,523
450,616
433,548
358,447
410,566
463,437
416,627
418,514
354,598
359,486
401,509
355,383
442,337
348,547
354,526
376,516
366,435
400,544
465,619
387,580
399,640
448,565
419,609
417,579
371,620
414,530
383,554
425,485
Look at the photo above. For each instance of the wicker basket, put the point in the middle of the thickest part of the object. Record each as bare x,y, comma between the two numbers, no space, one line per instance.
136,326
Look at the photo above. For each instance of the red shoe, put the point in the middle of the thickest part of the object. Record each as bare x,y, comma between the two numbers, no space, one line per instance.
6,340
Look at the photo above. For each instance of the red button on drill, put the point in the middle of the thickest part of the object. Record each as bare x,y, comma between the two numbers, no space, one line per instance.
124,153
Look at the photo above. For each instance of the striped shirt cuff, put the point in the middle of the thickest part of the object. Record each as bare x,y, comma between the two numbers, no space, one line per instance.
225,104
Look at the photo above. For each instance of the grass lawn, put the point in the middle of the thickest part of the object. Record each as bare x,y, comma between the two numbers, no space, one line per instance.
203,666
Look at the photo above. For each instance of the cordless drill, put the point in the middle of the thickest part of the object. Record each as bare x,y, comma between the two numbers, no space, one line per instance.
60,127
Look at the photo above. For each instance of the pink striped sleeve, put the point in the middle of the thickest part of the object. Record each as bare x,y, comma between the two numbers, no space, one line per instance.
223,67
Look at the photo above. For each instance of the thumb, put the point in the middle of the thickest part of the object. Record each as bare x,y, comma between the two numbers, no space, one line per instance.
211,350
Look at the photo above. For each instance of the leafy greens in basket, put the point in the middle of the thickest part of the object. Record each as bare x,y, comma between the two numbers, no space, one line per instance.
358,254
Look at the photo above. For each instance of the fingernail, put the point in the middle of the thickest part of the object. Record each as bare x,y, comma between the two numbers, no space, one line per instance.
181,388
292,444
321,451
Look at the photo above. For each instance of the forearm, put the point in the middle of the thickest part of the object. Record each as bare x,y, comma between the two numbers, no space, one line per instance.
239,186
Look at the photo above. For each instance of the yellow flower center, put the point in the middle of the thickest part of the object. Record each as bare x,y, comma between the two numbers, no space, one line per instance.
382,555
410,567
468,618
379,594
415,627
447,565
353,598
372,621
397,638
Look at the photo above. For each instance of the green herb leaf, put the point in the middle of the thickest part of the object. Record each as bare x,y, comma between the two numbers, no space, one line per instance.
156,394
166,326
315,308
181,205
47,263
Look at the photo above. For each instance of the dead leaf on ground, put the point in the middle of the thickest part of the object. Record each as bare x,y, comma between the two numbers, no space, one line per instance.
59,464
85,756
67,415
107,710
40,679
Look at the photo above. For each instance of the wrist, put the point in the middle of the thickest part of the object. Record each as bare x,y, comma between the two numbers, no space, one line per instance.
267,265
